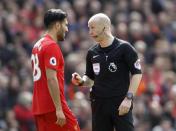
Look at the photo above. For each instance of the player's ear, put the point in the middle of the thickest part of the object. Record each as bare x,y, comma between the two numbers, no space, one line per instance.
57,25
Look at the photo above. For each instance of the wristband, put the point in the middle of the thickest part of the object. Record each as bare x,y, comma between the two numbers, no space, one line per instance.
129,96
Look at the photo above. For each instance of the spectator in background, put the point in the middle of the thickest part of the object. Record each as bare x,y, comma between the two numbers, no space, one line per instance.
23,112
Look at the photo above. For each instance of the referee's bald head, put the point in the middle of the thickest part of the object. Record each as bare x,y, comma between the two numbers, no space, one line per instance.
101,19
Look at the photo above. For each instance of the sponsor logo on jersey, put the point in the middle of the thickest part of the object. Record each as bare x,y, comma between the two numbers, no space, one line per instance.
112,67
53,61
96,68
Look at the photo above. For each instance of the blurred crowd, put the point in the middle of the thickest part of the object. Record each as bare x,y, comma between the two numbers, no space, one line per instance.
149,25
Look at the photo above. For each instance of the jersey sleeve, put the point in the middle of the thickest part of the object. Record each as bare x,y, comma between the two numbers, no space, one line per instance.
89,68
51,57
132,60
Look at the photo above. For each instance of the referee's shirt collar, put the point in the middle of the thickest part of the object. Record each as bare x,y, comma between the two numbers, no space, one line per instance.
110,47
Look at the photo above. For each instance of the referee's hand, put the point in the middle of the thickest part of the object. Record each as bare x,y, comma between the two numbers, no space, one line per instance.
124,107
76,79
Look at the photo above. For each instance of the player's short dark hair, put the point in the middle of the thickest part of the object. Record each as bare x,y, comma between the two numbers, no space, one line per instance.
54,15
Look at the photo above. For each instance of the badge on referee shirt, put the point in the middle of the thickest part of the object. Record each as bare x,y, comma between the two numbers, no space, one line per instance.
112,67
137,64
96,68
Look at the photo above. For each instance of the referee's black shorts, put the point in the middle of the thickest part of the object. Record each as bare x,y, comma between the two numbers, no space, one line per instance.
105,116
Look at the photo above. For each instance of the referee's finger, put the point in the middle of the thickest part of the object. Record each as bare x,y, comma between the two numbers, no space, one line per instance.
123,110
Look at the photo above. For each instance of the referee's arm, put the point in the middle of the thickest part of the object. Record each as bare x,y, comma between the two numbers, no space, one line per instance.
133,62
82,81
87,79
135,81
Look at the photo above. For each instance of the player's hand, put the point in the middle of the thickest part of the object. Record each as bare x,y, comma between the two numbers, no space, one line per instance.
76,79
125,107
61,119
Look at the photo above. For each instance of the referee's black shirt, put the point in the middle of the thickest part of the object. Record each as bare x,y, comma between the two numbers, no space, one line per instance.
110,68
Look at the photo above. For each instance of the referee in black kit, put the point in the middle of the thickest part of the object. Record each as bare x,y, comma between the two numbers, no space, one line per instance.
113,71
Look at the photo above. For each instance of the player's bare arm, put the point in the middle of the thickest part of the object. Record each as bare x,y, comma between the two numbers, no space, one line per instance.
81,81
55,95
126,103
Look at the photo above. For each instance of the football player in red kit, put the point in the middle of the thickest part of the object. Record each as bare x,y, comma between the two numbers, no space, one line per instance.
49,105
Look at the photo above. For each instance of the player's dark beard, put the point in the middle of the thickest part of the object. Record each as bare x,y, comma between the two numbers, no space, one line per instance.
61,35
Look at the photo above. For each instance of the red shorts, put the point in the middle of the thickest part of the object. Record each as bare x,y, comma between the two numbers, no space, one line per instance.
46,122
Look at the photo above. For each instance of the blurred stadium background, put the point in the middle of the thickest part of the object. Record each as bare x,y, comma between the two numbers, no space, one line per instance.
150,25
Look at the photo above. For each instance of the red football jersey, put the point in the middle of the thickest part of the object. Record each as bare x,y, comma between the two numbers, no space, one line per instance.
46,53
